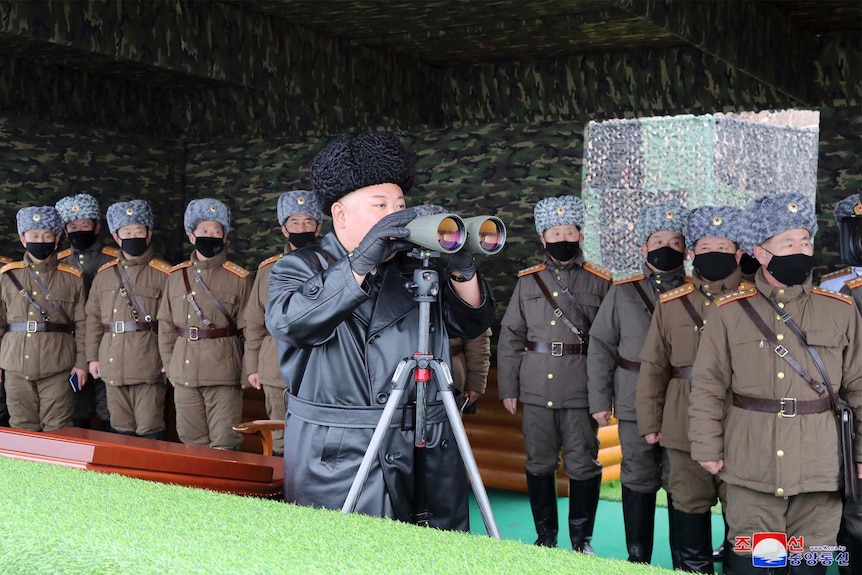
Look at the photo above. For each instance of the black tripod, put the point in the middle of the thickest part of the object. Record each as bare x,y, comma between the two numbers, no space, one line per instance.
426,287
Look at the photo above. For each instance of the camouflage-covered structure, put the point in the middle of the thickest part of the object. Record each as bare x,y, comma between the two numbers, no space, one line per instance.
172,100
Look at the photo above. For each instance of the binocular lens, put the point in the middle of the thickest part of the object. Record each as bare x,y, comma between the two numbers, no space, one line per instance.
491,237
450,234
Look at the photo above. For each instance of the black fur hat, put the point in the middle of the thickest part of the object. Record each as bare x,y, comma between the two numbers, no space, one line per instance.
354,161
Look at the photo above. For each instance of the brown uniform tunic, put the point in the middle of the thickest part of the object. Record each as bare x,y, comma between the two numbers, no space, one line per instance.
127,347
205,370
777,465
4,413
37,362
471,360
543,363
854,288
664,384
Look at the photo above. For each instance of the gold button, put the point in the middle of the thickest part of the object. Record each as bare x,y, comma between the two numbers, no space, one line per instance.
187,361
31,313
189,316
550,376
550,404
115,310
658,281
780,375
781,305
29,334
706,287
706,303
778,317
186,384
556,294
113,335
781,292
780,453
193,293
779,491
34,293
111,360
26,357
26,377
37,273
553,321
779,337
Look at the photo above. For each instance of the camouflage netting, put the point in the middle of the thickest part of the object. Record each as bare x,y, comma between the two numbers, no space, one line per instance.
694,160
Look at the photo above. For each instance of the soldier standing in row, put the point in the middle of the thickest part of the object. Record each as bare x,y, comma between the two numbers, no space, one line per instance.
4,412
761,411
81,222
665,377
122,341
42,326
471,361
200,318
542,362
300,218
616,339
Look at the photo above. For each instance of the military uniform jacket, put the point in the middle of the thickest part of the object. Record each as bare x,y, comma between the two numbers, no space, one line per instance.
40,354
261,351
763,452
672,342
541,378
89,260
470,366
131,357
853,288
619,331
204,361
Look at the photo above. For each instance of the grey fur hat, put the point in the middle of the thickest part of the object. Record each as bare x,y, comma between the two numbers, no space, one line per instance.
39,218
560,211
848,207
769,215
299,202
124,214
713,222
665,217
355,161
78,207
206,210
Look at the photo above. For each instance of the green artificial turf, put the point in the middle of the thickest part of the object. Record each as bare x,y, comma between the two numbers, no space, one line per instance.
65,521
613,491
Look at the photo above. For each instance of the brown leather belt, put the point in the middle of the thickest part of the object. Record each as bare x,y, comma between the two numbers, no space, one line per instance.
196,333
629,365
784,407
682,372
125,326
557,348
34,326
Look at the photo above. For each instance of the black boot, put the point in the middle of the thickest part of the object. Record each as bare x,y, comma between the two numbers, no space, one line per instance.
639,519
674,546
583,502
852,545
804,569
694,541
543,501
160,435
740,565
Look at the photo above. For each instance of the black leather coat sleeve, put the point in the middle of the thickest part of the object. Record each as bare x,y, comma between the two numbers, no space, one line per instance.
463,320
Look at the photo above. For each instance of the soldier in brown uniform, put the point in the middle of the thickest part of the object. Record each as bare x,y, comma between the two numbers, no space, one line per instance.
122,341
200,318
664,380
42,326
81,223
471,361
542,362
616,339
755,419
4,412
300,217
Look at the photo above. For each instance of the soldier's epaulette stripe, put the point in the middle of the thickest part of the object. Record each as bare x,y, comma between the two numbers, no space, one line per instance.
270,260
744,285
12,266
181,265
854,283
75,271
63,254
833,295
236,269
160,265
735,295
687,279
4,260
109,251
634,278
836,273
532,270
110,264
676,292
596,270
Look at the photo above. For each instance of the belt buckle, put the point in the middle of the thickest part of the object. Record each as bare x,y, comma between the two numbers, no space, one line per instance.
119,327
557,349
32,326
193,334
783,402
780,350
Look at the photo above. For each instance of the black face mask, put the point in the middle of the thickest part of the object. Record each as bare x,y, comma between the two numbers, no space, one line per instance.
791,270
749,264
83,239
41,250
209,247
665,259
301,239
563,251
134,246
714,266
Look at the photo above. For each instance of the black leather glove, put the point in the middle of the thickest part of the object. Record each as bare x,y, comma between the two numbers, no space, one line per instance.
461,261
377,246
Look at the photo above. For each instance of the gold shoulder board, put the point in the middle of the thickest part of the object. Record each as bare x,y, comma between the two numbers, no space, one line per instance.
70,270
61,255
634,278
4,260
833,295
836,273
676,292
854,283
180,266
270,260
12,266
236,269
735,295
596,270
532,270
160,265
109,251
108,265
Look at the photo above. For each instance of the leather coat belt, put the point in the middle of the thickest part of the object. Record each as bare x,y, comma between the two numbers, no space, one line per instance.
124,326
629,365
34,326
196,333
557,348
682,372
784,407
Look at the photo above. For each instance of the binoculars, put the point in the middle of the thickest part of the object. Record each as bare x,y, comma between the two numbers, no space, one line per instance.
448,233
